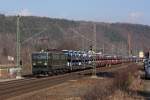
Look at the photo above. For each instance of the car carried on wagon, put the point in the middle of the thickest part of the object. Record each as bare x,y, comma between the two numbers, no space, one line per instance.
147,68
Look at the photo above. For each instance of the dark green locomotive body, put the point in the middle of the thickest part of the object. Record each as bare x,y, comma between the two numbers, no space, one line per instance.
49,62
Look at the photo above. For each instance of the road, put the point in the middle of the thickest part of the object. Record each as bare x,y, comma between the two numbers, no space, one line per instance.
146,87
146,92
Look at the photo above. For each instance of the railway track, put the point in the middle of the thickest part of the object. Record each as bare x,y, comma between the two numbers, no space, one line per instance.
24,86
17,87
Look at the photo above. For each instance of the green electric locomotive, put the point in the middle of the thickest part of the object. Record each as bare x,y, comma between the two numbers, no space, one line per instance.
47,63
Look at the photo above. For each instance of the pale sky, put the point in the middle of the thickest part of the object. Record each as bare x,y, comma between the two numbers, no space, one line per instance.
132,11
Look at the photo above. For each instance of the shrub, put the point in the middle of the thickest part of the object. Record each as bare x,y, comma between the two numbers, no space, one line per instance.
124,78
100,91
122,81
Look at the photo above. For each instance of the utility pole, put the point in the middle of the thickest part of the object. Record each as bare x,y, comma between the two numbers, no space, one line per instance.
129,44
83,49
103,49
95,44
112,49
18,49
95,40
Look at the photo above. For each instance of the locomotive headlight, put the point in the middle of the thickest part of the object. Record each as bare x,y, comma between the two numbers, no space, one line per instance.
34,64
68,63
45,63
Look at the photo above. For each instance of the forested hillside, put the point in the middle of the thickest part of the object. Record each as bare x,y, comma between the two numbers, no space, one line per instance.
48,33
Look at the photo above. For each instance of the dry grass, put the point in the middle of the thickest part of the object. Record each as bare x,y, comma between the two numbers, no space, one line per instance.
124,83
124,78
99,91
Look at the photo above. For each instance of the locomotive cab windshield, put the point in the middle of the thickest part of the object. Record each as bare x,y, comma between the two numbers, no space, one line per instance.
39,62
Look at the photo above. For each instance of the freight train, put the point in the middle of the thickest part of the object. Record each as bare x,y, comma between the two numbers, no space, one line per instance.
56,62
147,65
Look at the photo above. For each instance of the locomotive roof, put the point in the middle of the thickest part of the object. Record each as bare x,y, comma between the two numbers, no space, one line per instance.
47,52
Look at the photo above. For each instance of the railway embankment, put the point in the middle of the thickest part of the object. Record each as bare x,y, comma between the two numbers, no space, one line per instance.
118,82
